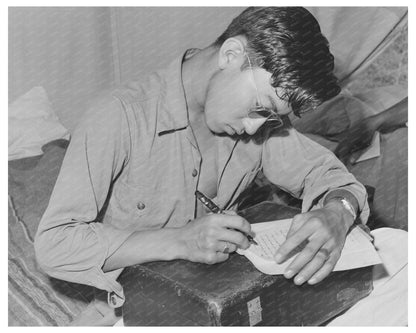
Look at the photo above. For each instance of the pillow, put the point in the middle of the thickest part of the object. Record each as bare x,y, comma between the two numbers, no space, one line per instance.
32,123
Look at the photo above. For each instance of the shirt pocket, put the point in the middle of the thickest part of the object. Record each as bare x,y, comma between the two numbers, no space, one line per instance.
138,206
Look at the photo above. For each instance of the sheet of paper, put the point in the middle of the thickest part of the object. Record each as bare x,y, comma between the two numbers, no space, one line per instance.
373,150
358,251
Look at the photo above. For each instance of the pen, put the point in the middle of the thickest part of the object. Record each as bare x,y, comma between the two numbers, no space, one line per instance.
217,210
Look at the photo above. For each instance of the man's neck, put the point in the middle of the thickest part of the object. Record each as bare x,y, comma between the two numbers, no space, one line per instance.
196,74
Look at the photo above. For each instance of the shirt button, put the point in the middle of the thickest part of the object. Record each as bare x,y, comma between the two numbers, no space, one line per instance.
141,206
194,172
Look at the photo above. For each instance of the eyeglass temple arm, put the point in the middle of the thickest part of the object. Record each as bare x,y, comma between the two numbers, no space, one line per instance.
252,74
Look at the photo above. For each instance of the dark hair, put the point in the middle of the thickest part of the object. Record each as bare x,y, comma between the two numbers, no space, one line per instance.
288,43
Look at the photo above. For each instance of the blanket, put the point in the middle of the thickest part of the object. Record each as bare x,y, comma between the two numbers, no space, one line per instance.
34,298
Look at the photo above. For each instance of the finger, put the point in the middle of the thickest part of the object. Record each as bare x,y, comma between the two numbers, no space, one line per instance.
354,157
235,222
303,258
344,159
297,221
313,266
215,257
337,150
226,247
326,269
236,237
229,212
342,150
222,256
361,144
294,241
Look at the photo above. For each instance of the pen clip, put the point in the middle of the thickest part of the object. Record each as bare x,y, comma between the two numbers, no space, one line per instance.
208,203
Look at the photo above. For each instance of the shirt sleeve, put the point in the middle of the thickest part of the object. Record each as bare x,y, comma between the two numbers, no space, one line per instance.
309,171
71,243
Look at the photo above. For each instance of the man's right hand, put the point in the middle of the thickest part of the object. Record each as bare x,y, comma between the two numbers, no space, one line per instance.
210,239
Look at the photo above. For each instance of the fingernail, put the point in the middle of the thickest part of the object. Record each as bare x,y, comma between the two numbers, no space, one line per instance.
299,280
278,258
289,274
312,281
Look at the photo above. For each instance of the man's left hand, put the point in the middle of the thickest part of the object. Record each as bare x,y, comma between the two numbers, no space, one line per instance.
324,230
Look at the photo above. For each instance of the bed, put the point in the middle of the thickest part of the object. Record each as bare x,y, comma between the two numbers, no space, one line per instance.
34,298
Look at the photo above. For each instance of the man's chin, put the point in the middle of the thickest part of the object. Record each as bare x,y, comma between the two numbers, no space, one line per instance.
226,130
229,130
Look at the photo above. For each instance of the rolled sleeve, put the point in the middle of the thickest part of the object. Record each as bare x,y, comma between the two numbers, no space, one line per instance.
71,243
309,171
77,253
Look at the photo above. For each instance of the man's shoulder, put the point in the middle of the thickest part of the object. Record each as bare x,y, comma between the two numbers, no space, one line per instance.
104,105
140,89
111,102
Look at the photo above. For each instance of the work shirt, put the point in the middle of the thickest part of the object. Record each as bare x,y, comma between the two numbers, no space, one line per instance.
133,164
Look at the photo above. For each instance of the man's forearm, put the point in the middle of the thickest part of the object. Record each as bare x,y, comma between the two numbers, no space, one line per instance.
146,246
392,118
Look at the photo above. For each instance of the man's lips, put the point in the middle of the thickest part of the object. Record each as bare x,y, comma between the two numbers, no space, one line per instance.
230,130
239,132
234,131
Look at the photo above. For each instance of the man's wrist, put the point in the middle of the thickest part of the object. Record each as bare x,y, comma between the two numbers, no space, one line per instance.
178,246
374,122
338,205
347,199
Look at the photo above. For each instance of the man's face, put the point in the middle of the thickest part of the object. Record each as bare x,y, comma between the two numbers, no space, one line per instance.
232,94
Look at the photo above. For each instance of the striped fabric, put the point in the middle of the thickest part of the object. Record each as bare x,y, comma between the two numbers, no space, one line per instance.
34,298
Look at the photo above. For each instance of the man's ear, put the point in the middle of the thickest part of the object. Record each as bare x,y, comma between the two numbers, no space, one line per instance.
231,53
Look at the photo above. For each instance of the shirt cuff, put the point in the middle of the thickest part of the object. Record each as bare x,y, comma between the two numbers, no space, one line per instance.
113,238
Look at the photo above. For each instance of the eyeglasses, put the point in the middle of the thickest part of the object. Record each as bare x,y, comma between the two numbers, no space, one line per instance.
260,111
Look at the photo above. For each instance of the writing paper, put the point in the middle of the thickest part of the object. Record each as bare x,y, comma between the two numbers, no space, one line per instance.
358,250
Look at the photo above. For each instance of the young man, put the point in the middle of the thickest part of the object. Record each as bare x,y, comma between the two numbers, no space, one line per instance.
125,193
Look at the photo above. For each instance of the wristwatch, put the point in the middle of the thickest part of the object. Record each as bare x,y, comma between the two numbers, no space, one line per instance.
347,205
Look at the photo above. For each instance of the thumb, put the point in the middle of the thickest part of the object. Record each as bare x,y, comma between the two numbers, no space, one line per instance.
354,157
297,222
229,212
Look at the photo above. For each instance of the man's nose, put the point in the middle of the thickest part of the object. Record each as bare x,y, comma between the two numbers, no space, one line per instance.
252,125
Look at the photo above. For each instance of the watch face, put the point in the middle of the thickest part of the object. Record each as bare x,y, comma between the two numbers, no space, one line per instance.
349,207
346,204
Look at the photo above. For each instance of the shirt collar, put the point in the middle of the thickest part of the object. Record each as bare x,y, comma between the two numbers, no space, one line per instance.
174,111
